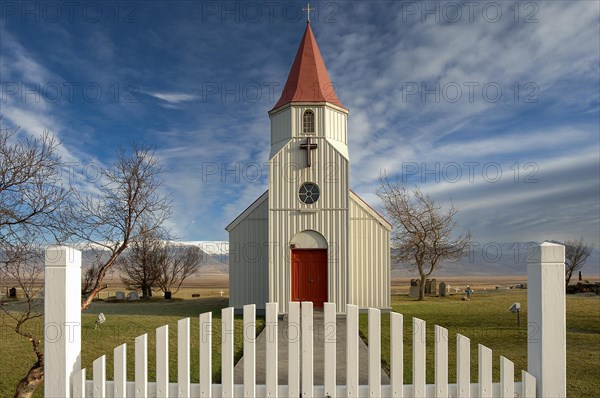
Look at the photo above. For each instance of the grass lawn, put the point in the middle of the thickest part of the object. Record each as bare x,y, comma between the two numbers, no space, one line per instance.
486,320
125,321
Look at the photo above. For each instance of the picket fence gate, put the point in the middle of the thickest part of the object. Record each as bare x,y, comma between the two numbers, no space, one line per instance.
546,349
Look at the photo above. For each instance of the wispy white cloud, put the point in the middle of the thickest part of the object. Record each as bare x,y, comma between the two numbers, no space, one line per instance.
371,62
174,98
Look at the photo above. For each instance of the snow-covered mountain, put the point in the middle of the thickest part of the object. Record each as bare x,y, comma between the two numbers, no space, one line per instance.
209,247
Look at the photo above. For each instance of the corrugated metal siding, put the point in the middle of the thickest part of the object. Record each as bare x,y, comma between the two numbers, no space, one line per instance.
248,259
336,125
369,275
281,126
288,216
298,112
333,225
287,171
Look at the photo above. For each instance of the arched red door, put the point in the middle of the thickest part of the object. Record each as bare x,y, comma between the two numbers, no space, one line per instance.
309,275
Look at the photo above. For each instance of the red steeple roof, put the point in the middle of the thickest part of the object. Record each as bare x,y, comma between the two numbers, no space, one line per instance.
308,80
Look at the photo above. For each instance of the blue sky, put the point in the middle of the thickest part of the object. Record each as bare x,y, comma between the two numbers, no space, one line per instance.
510,133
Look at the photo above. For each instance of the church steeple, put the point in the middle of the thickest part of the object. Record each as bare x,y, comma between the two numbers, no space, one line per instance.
308,80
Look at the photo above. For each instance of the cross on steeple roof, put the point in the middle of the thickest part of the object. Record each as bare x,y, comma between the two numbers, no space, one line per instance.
308,10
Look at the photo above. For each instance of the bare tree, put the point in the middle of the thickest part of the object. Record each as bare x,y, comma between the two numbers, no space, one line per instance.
128,198
32,197
423,232
181,263
89,276
576,254
31,193
23,266
141,264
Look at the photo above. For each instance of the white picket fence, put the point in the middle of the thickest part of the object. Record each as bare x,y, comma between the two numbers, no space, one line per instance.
546,354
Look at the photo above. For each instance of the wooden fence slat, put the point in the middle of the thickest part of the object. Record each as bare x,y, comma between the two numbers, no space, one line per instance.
250,350
374,352
227,333
79,384
507,378
120,371
99,367
307,349
463,366
162,361
485,371
141,366
293,333
205,355
397,354
183,358
419,331
528,385
272,357
352,350
441,361
330,342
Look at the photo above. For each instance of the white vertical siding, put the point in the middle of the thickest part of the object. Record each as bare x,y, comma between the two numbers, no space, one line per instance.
248,256
281,126
289,216
336,125
358,242
369,272
330,123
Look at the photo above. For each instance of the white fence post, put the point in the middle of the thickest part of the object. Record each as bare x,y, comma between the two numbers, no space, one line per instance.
62,319
546,320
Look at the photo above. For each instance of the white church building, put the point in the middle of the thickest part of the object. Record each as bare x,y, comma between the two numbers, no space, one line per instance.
309,237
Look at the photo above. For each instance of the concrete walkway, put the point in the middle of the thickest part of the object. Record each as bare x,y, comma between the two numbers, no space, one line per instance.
318,355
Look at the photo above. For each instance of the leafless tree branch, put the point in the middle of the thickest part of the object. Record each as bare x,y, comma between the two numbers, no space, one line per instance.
576,254
423,231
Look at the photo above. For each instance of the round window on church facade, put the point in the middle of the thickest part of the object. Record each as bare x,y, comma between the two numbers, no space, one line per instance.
309,193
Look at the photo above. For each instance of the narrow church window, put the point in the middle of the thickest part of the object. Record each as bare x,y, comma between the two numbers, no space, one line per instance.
308,122
309,193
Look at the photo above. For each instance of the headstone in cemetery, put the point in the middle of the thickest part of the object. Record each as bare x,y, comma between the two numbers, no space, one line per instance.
133,296
12,292
428,286
414,288
120,295
444,289
167,295
433,287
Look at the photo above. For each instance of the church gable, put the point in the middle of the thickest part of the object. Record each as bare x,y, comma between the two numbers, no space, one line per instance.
251,212
359,209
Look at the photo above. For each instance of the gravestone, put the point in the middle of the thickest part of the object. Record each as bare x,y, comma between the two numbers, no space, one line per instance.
444,289
427,286
133,296
12,292
120,295
414,288
433,287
